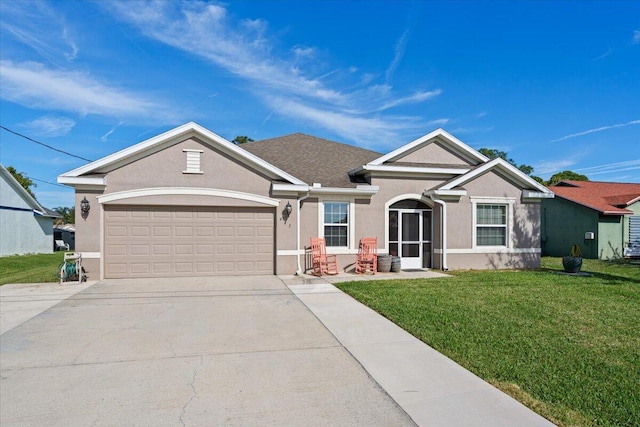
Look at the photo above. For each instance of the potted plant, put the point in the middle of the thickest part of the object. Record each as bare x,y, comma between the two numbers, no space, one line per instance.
573,262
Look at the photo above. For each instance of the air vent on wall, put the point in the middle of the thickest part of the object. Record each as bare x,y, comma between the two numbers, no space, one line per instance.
193,161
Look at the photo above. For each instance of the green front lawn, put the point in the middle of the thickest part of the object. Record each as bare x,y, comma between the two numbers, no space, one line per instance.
40,268
567,347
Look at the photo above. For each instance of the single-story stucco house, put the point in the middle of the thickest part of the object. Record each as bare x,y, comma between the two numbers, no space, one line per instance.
26,227
190,203
602,217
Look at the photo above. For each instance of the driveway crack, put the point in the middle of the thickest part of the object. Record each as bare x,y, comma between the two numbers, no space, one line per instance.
193,391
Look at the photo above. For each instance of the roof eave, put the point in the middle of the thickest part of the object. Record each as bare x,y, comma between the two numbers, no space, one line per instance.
24,194
445,194
407,148
360,190
414,170
83,181
189,129
536,195
509,169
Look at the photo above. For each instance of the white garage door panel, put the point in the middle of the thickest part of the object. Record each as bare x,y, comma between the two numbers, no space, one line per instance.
149,241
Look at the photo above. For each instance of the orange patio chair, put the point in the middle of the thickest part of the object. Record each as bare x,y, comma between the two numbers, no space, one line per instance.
320,261
367,258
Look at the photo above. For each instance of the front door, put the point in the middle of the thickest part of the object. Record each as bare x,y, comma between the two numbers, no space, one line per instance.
410,237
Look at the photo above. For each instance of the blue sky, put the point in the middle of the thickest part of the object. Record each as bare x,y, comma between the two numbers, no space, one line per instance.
555,84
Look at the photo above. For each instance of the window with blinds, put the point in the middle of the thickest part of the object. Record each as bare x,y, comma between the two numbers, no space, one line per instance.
336,223
491,225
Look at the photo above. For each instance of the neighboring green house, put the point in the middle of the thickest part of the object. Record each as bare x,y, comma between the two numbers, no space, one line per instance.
602,217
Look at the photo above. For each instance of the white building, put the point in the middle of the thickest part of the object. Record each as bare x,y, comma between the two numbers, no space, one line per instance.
25,225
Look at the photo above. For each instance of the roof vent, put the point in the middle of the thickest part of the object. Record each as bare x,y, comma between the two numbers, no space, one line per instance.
193,161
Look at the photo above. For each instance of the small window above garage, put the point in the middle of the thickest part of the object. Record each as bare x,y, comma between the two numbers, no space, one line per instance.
193,161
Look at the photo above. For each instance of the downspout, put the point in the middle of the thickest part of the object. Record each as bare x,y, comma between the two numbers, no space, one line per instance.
299,272
443,228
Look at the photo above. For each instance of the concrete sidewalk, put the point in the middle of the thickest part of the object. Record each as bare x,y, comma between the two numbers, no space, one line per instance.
24,301
430,387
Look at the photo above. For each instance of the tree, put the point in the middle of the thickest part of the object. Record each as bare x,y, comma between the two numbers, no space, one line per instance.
24,180
241,140
68,214
561,176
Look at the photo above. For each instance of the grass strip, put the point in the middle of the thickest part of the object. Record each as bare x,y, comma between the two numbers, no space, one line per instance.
33,268
567,347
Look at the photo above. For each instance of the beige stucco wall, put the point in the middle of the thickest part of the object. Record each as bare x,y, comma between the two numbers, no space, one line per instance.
434,152
525,232
492,261
165,169
287,264
526,215
88,232
369,214
370,221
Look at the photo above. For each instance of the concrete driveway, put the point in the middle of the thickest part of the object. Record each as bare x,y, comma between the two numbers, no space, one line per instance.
196,352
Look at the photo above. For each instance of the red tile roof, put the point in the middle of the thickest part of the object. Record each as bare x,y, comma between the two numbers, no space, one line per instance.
608,198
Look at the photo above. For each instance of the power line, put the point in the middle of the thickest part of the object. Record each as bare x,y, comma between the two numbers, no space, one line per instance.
47,182
42,143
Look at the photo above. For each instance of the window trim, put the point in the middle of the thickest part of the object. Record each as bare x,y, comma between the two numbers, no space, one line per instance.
509,202
351,215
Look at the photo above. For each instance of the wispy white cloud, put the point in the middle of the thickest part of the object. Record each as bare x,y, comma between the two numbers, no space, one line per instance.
245,49
604,55
36,86
636,37
353,127
474,129
51,126
104,137
411,99
206,31
611,167
401,45
37,25
303,52
600,129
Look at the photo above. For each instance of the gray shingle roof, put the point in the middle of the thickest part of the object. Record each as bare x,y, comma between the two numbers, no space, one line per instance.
312,159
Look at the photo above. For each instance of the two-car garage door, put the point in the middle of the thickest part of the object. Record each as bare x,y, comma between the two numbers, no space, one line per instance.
160,241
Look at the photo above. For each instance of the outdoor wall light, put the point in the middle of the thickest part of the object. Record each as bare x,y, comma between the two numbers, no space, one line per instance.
287,212
84,208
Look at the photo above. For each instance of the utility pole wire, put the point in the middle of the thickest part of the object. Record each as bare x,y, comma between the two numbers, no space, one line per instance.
47,182
41,143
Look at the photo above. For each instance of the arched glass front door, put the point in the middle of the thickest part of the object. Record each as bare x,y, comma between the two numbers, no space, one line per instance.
410,237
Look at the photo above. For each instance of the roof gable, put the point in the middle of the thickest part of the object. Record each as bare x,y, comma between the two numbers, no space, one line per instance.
608,198
20,191
164,140
440,137
503,167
